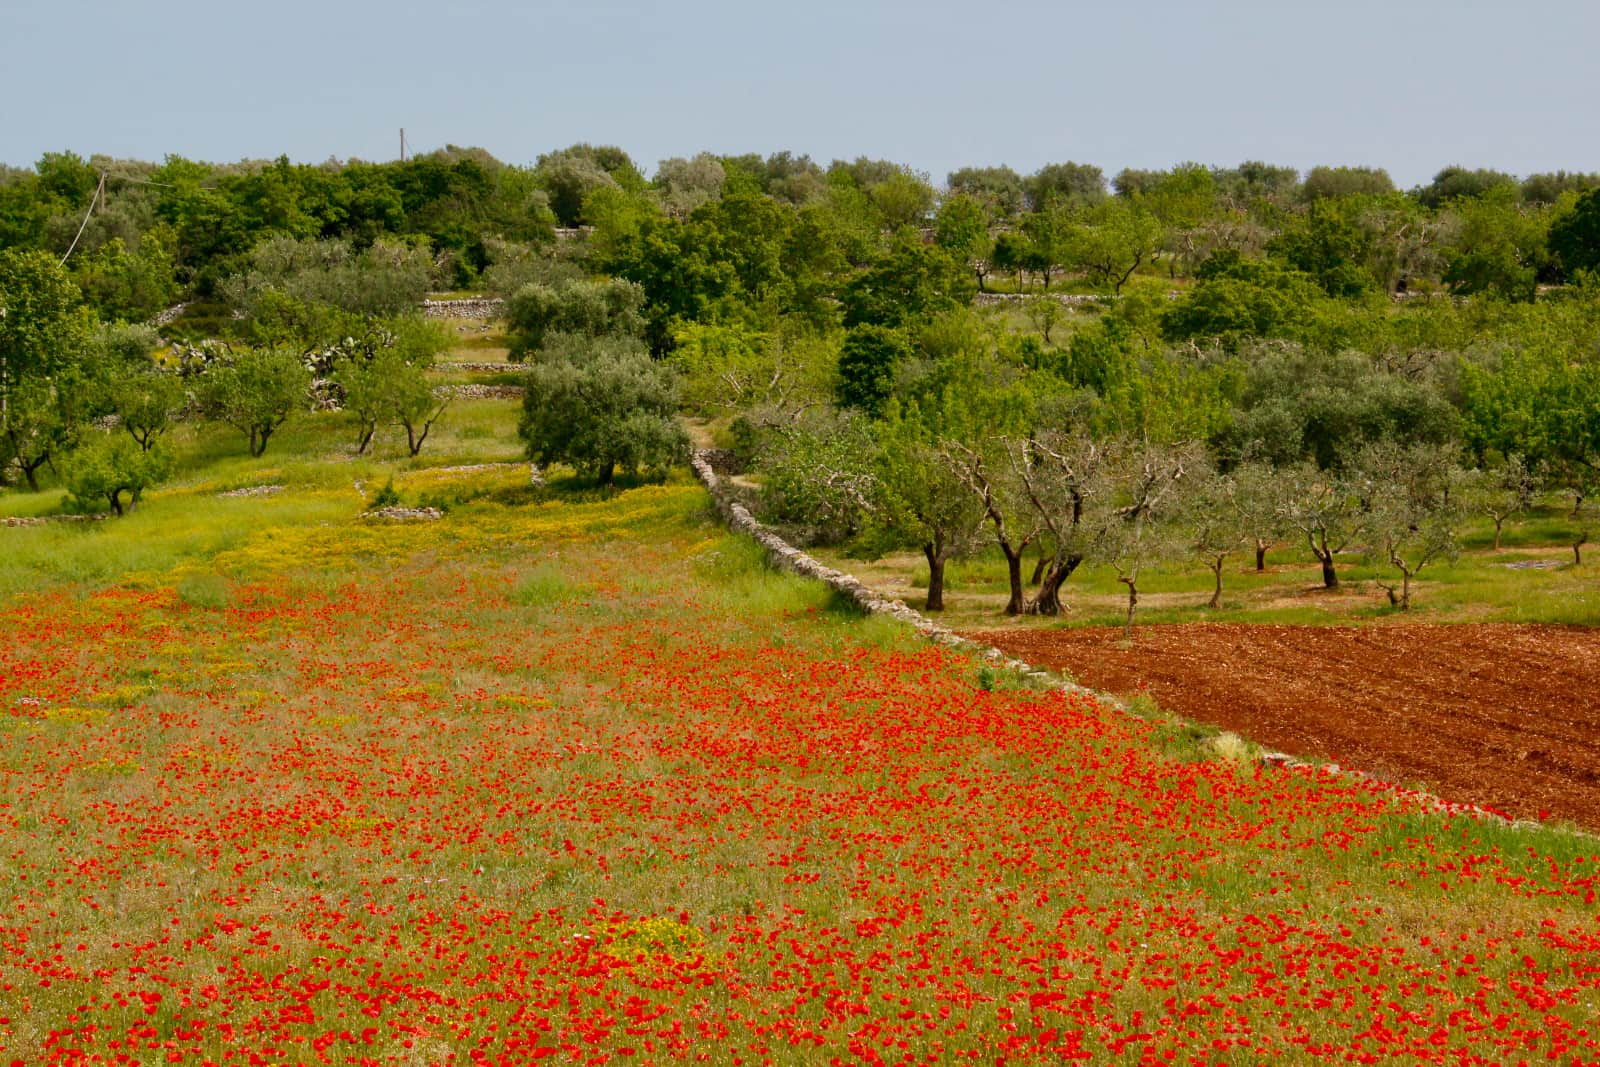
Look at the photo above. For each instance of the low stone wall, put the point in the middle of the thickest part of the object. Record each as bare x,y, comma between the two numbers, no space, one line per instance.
723,461
1069,299
477,391
167,317
484,368
45,520
398,514
481,307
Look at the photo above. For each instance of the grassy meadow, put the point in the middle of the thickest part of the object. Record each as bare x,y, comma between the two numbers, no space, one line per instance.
575,775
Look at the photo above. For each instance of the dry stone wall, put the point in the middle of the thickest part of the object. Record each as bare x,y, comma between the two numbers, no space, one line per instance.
1069,299
475,308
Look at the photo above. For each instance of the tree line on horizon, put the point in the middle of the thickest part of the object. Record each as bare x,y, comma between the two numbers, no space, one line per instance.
180,228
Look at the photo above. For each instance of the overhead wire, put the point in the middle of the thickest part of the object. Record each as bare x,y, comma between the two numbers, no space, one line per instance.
99,188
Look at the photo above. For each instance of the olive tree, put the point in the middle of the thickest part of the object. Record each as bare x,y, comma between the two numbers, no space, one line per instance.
416,406
1412,509
1323,183
1146,482
42,335
537,312
617,410
146,402
732,367
999,189
818,476
923,500
1016,525
961,228
43,418
1064,183
1112,241
1214,523
1257,497
1504,491
109,465
41,326
384,389
306,290
681,185
364,383
1323,507
386,381
256,392
1065,479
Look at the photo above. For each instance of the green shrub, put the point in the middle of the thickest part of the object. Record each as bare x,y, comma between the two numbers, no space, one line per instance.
108,466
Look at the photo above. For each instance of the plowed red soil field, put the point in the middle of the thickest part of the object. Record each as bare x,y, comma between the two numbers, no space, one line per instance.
1505,716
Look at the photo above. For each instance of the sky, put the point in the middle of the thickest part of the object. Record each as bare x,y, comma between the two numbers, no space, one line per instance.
932,84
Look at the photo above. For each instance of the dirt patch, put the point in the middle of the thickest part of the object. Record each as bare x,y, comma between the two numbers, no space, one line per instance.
1505,716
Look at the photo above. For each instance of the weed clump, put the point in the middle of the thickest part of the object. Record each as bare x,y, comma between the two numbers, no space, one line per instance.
204,590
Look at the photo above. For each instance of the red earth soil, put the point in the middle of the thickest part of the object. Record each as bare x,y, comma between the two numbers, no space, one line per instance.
1505,716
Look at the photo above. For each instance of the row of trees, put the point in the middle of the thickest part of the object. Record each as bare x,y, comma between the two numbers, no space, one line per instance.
981,472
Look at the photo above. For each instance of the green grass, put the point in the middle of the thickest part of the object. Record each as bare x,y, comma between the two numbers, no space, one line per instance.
19,503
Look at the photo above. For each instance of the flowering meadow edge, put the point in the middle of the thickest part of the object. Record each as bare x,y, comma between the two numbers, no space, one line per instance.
785,555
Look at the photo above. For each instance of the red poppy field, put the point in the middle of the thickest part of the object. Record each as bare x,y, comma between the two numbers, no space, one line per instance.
586,782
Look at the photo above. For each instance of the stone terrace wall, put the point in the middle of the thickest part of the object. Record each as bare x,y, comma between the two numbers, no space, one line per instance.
476,308
1069,299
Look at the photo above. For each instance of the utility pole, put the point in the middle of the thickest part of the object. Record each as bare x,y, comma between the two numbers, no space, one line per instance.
402,144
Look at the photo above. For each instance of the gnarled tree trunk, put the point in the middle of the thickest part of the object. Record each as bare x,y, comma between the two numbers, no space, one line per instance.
936,559
1132,582
1017,601
1324,554
1048,600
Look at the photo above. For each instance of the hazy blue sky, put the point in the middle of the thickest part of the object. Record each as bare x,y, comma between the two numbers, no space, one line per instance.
939,85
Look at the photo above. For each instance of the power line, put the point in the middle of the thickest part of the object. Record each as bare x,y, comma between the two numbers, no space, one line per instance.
141,181
99,191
